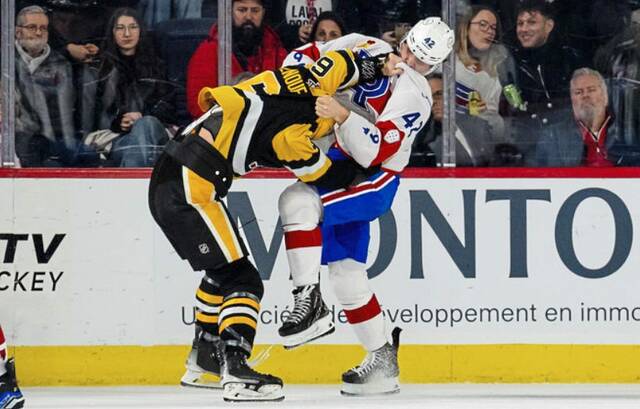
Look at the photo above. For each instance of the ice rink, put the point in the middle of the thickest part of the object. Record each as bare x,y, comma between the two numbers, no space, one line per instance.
461,396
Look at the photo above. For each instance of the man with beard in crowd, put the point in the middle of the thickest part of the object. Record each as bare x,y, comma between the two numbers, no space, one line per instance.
591,137
256,48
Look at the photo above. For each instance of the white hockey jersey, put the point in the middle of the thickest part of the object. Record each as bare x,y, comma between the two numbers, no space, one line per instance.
386,114
311,52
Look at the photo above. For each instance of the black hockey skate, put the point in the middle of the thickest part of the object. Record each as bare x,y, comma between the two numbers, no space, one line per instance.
309,320
377,374
10,395
202,366
241,383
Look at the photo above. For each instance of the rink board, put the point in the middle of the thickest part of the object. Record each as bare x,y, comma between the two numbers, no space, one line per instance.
492,279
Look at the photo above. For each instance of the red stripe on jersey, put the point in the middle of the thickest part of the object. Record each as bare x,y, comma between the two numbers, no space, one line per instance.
310,51
378,103
364,313
390,139
3,351
462,102
360,188
303,238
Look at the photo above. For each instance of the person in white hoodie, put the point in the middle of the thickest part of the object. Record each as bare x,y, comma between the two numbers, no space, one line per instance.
483,67
376,124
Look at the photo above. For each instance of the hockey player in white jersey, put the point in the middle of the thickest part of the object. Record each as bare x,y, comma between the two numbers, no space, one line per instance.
375,126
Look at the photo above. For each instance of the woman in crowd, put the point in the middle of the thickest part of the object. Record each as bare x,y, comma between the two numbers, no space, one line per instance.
294,19
328,26
483,68
134,109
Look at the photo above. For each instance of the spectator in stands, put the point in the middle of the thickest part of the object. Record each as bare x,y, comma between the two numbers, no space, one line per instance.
134,105
590,138
293,19
483,68
256,48
328,26
45,132
77,26
544,68
470,151
473,139
421,153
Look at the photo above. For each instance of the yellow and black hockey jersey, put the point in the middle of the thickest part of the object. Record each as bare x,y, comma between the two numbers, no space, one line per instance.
270,119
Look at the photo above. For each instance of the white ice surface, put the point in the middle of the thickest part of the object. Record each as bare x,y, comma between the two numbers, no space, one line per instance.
461,396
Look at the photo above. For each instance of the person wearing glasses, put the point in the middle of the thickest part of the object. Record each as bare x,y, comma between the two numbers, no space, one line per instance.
544,68
45,96
483,67
133,101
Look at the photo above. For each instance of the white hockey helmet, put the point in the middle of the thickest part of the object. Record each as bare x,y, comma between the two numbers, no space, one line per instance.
430,40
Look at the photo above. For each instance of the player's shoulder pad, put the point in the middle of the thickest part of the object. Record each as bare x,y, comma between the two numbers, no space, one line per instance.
372,46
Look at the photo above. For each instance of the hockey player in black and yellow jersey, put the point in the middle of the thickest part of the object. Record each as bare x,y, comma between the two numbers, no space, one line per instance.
268,120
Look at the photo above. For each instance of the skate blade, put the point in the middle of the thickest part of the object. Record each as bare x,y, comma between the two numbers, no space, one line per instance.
195,379
238,392
382,387
323,327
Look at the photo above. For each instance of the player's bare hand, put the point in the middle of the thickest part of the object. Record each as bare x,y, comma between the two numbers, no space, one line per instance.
328,107
390,66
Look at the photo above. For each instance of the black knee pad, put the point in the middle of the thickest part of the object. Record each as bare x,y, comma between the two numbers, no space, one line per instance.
239,276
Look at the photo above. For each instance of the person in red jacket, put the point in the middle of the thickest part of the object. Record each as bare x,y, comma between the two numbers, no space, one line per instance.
256,48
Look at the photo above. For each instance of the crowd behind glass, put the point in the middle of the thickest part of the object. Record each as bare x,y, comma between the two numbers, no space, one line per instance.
538,83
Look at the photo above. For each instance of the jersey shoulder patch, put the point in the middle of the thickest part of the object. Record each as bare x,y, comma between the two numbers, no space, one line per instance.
392,136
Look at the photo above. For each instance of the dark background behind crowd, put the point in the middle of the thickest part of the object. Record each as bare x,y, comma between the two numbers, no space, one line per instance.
108,83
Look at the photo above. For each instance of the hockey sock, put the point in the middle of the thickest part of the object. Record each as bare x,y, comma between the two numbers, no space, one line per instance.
368,324
241,288
208,301
3,352
351,286
238,320
304,252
